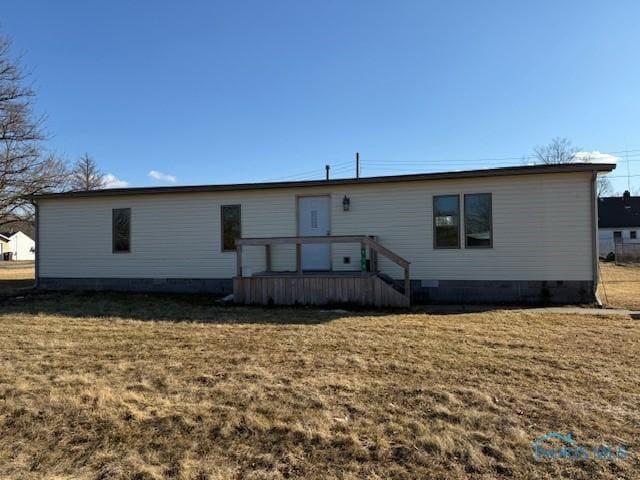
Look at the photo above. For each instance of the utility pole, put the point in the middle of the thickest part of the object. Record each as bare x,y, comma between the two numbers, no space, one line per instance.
327,167
357,165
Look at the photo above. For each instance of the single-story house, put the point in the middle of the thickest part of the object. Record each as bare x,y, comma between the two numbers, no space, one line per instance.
5,247
17,246
523,234
618,222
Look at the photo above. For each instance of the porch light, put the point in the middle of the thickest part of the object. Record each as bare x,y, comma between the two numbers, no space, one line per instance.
346,203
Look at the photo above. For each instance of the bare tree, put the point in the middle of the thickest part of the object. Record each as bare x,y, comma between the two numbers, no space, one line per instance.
86,175
605,189
559,150
24,168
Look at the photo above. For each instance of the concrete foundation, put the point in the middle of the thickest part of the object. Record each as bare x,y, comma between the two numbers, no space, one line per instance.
523,292
218,286
543,292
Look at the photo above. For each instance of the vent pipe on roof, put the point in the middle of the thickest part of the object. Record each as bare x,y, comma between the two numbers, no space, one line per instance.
626,199
327,167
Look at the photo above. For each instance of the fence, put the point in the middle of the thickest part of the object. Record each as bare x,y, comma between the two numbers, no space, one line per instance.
627,253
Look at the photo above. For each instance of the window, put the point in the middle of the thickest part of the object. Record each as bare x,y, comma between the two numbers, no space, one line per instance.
446,221
230,226
478,230
121,230
617,237
633,235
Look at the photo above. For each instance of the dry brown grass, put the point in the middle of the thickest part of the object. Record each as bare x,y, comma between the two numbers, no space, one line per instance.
15,276
91,388
620,285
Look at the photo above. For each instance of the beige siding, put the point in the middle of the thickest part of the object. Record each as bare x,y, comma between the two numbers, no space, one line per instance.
541,224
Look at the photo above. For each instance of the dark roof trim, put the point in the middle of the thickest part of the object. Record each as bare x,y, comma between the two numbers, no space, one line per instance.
8,235
491,172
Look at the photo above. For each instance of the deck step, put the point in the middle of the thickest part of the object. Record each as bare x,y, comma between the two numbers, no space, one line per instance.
390,281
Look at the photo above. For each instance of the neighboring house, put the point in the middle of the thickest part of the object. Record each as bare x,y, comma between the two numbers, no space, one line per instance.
16,246
516,234
5,247
618,223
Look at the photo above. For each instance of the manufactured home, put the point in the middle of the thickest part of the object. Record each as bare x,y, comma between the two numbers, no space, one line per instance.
525,234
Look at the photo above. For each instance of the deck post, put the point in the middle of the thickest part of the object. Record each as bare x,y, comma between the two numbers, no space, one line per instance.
407,285
239,260
373,254
267,253
299,258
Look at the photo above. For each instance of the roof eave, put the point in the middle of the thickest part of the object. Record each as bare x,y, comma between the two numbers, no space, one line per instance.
492,172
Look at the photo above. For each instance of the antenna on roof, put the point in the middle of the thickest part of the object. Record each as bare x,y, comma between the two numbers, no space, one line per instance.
327,168
628,171
357,165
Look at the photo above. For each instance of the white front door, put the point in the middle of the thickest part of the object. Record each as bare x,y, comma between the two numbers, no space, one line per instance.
313,221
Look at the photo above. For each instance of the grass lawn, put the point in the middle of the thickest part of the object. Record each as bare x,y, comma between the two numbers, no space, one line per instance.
15,276
109,386
620,285
103,386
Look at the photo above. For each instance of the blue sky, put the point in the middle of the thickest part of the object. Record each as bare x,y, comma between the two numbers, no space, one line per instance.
217,92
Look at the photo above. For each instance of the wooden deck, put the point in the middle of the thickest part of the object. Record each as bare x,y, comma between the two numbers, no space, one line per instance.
321,288
317,289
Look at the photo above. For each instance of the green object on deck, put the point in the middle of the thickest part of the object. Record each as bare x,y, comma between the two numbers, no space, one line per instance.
363,258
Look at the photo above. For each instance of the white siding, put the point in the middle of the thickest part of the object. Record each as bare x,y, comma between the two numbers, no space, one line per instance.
541,229
605,237
22,246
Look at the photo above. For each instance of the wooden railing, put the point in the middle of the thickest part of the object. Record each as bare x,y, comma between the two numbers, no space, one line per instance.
375,249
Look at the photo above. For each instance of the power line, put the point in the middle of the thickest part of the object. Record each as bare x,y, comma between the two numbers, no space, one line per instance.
632,158
340,166
378,165
624,151
622,176
346,168
391,169
422,162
